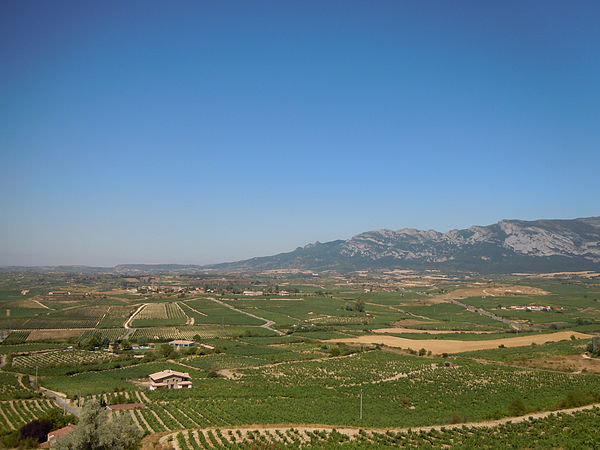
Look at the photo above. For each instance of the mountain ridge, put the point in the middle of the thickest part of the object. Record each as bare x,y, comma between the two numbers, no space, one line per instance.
506,246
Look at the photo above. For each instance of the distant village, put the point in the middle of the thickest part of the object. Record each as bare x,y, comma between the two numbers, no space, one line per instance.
533,308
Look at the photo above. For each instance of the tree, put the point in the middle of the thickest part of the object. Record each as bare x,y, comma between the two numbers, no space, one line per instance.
96,431
359,306
57,418
165,350
125,345
93,343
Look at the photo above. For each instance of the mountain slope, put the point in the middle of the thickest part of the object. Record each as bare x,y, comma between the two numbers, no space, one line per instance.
507,246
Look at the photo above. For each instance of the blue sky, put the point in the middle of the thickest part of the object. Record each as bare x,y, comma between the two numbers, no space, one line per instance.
201,132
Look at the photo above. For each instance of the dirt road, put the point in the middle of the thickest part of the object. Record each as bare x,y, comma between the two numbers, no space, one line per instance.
127,323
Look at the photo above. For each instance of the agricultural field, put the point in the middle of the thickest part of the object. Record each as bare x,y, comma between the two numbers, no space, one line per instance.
206,311
160,315
534,433
16,413
311,362
58,358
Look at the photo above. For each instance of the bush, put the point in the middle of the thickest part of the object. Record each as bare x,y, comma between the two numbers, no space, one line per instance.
516,407
455,418
334,351
578,398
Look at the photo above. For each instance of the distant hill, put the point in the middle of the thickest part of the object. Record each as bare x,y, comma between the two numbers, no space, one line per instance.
504,247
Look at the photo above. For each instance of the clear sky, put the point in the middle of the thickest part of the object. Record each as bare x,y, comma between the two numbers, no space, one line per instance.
208,131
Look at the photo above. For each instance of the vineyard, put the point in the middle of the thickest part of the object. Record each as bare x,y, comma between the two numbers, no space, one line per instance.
11,388
115,316
398,390
205,311
79,317
205,332
59,358
253,386
112,334
550,432
16,337
160,315
15,413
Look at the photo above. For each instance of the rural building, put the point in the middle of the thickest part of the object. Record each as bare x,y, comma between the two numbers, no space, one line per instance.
124,406
178,343
58,433
170,379
252,293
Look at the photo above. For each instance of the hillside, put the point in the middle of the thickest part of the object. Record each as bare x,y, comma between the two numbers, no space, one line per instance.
504,247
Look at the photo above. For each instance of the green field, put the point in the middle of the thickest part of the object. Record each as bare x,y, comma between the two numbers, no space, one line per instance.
263,360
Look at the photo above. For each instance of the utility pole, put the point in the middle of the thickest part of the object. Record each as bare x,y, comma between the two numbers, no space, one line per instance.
361,403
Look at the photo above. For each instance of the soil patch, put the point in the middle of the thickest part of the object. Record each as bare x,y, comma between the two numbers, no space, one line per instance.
55,335
452,346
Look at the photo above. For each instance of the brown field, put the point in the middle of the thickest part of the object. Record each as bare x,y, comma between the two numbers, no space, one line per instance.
439,346
565,363
408,322
493,291
582,274
55,335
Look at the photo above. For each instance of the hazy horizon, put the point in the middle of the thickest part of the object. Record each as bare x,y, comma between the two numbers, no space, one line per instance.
202,132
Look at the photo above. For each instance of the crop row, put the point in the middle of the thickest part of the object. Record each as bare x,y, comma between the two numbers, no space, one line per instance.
557,431
113,398
115,316
169,416
397,391
16,413
59,358
16,337
112,334
205,332
153,311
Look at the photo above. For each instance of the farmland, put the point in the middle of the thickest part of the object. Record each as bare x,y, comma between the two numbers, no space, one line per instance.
311,367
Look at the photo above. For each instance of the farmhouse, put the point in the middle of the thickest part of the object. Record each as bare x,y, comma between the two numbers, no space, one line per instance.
170,379
178,343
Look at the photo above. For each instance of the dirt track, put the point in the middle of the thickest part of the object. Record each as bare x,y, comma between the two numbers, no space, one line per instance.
454,346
